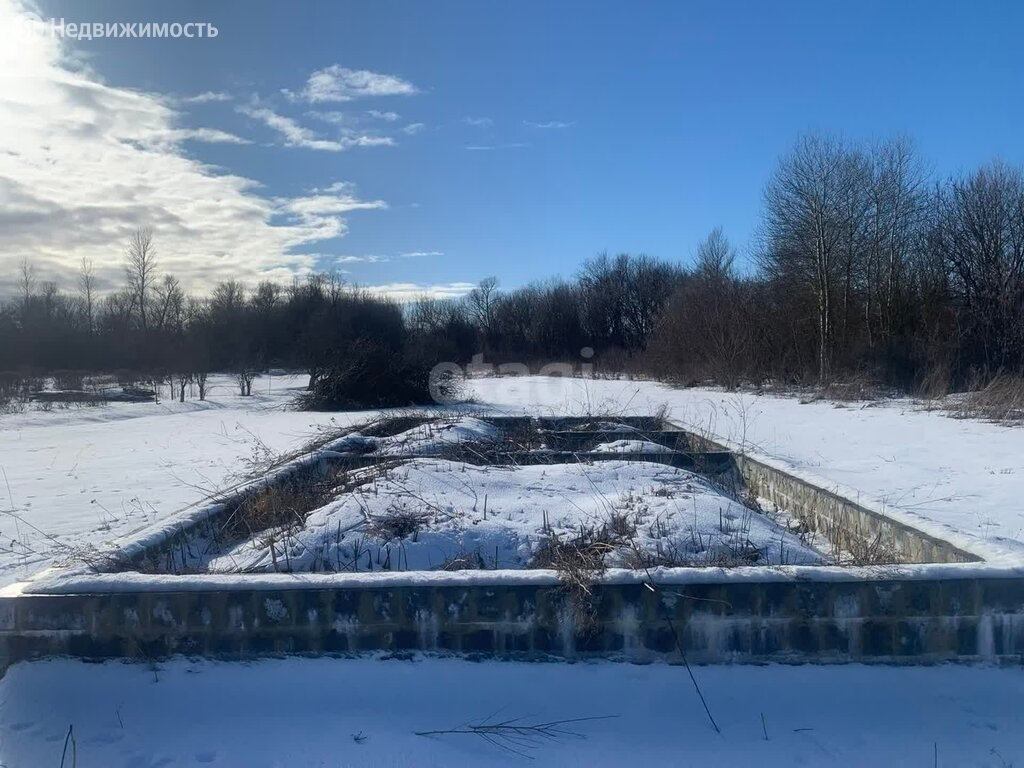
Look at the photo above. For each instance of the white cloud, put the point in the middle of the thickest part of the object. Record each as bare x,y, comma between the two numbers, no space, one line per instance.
388,117
296,135
547,125
336,83
206,97
374,259
413,128
411,291
369,259
338,188
478,121
321,212
83,164
209,135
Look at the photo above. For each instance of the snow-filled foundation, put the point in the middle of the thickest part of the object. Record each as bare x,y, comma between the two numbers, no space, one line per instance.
439,496
429,514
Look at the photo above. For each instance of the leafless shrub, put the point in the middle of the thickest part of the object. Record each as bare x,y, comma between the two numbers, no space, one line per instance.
284,505
394,424
848,544
621,525
128,379
853,388
666,554
68,380
936,382
463,561
244,378
858,550
398,523
662,414
12,384
14,392
580,564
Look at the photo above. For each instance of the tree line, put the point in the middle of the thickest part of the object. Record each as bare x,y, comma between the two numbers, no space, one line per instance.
863,266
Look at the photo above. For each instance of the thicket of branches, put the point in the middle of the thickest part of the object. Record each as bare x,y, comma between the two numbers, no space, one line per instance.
864,266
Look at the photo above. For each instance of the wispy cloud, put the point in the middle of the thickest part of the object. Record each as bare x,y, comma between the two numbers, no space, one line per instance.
312,208
406,292
206,97
336,84
377,259
296,135
413,128
208,135
388,117
547,125
478,121
369,259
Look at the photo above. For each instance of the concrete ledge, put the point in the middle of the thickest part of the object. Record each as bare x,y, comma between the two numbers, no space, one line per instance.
877,620
842,520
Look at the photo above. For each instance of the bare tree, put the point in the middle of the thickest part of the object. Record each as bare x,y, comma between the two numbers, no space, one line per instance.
87,291
244,378
26,282
141,269
184,379
482,301
898,207
981,236
809,226
620,298
200,380
715,257
169,305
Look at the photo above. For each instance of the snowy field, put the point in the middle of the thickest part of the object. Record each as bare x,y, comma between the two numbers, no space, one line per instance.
82,476
85,476
327,713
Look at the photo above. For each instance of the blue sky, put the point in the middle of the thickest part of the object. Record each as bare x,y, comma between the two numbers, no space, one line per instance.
549,132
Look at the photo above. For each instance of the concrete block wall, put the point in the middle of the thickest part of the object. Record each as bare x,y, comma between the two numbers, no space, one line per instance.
841,519
738,620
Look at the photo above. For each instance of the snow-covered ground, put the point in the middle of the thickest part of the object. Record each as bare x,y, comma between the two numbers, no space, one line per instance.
87,475
961,480
428,514
82,476
313,713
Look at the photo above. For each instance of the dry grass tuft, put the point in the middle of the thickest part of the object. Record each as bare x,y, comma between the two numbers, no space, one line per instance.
1001,400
